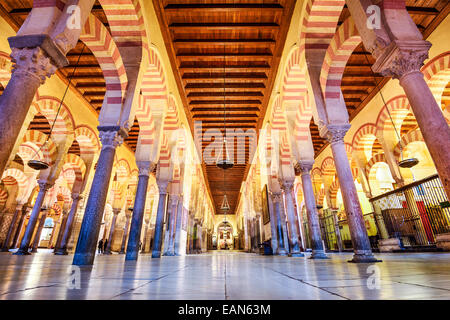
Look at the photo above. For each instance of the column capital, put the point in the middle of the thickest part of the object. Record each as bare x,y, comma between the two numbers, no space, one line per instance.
305,166
112,136
335,133
276,197
44,186
145,167
401,58
174,198
32,62
287,185
162,186
116,211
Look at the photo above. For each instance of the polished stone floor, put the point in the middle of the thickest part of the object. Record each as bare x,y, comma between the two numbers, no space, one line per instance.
226,275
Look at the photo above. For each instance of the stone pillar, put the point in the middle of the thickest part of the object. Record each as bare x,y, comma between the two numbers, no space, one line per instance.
112,230
159,225
12,227
199,237
68,227
402,60
277,203
19,228
138,212
315,237
177,249
31,68
170,250
61,231
37,235
273,226
380,221
258,229
125,232
111,138
190,236
288,187
144,242
26,240
362,251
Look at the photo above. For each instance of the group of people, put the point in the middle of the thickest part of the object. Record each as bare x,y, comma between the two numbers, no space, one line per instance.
102,245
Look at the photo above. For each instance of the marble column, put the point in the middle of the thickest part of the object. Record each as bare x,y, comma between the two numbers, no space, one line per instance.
12,227
112,229
111,138
125,232
258,230
288,188
402,60
277,201
177,249
315,236
159,225
170,250
190,247
31,68
19,228
68,227
199,237
26,240
61,230
37,235
138,212
145,240
361,245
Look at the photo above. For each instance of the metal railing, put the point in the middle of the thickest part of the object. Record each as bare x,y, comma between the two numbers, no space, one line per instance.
415,213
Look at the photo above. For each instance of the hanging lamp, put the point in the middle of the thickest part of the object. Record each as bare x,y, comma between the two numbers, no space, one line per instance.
403,163
223,161
42,165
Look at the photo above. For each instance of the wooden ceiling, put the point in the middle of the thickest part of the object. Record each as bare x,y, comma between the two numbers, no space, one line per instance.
359,85
226,55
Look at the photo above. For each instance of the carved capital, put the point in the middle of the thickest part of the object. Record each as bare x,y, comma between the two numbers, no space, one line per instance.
146,168
32,62
44,186
162,186
335,133
286,185
76,196
305,167
111,137
277,197
402,58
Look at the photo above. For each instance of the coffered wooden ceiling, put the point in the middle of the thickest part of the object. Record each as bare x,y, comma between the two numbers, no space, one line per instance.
359,85
225,53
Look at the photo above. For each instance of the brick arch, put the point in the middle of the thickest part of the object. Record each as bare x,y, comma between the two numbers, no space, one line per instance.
16,176
126,22
164,157
319,25
328,169
278,116
78,165
48,107
38,139
87,139
363,139
341,47
99,40
379,157
320,196
123,170
3,197
333,190
399,108
171,120
437,75
412,136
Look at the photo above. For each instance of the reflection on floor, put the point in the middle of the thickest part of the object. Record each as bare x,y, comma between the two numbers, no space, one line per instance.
226,275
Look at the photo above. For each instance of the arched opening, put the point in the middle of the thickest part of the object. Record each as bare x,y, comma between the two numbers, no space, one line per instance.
224,236
380,179
425,167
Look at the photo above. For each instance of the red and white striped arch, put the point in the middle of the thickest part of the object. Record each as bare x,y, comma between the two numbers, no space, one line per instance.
87,139
379,157
437,75
412,136
34,138
5,68
328,170
319,25
48,107
399,108
339,51
363,141
126,22
333,190
164,156
3,197
15,176
171,119
99,40
78,166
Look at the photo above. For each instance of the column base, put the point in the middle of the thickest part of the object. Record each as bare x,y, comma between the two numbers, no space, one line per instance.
4,250
22,253
319,255
296,255
60,252
282,253
156,255
122,252
34,250
107,252
364,258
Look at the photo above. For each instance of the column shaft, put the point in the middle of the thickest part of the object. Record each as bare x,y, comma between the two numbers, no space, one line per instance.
9,235
294,236
159,225
125,235
37,235
68,227
111,231
280,237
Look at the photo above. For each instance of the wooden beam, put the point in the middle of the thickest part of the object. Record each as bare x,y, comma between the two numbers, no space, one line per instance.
223,26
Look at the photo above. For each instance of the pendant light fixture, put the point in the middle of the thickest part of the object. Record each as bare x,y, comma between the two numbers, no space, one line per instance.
403,163
223,160
37,164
